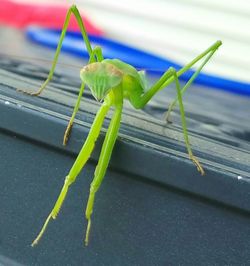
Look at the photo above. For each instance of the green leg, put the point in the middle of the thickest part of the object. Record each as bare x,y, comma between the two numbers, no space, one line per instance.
196,73
184,124
139,101
102,164
171,73
79,163
70,124
96,54
73,10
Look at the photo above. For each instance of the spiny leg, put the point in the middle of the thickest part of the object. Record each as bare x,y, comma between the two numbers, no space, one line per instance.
96,54
72,10
79,163
102,165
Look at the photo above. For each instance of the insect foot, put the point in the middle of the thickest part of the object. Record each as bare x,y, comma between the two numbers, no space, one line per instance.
67,133
68,181
40,90
89,211
167,117
168,113
28,92
198,165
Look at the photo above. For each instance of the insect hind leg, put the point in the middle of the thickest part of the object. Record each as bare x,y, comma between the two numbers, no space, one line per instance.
183,120
188,84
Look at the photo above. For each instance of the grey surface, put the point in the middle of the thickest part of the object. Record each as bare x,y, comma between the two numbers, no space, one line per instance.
135,221
153,207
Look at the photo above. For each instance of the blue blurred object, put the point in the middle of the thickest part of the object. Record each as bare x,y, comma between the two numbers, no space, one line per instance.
73,43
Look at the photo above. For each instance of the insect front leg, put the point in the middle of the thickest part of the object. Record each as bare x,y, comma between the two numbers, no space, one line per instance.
102,165
72,10
79,163
96,54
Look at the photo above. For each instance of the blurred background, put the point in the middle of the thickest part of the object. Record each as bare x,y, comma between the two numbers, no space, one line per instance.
177,29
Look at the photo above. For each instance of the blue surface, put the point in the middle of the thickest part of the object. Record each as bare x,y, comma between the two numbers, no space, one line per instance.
74,44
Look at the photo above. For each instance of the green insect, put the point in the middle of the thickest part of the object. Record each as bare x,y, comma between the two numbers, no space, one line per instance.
111,81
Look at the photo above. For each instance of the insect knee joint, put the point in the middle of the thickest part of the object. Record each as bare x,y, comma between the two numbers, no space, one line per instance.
172,70
97,48
73,8
93,188
69,179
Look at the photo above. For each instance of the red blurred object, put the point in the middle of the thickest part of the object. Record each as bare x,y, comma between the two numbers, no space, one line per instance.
21,15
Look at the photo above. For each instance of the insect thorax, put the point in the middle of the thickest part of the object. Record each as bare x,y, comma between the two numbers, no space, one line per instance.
132,80
103,76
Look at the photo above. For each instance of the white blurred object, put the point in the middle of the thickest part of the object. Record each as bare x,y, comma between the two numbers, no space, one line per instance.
179,29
